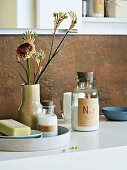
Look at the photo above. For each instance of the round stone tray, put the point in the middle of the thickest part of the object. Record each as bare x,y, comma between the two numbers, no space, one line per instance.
37,144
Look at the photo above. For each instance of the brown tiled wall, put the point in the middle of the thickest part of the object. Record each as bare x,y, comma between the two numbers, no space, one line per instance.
105,55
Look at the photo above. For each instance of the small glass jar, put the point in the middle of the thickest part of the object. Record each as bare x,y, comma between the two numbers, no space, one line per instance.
47,122
85,104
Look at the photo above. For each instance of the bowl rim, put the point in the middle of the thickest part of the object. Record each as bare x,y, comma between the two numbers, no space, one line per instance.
113,107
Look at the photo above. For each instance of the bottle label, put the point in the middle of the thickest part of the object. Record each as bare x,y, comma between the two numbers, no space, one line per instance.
45,128
88,112
98,6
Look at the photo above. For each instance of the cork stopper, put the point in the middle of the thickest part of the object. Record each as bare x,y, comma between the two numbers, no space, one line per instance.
46,103
85,76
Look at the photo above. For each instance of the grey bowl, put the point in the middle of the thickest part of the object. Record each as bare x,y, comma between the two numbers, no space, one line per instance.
115,113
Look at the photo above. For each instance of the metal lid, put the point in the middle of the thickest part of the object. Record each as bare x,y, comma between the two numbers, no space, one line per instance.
47,103
85,76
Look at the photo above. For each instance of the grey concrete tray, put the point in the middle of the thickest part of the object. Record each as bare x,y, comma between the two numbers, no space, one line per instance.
37,144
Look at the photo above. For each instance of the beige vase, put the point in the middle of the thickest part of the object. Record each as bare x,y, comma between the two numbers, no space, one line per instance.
30,106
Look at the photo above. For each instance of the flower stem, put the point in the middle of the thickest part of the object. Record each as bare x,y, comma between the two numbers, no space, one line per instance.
23,67
52,44
28,71
22,78
24,70
36,81
50,59
55,52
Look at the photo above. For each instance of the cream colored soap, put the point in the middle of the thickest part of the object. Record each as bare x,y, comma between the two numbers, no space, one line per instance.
11,127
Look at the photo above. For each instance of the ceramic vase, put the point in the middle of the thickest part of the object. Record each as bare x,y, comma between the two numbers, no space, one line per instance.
30,107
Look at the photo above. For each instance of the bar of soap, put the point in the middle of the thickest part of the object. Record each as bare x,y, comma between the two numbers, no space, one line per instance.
11,127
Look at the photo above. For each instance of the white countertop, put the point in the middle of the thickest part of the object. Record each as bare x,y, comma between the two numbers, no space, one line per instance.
100,159
110,134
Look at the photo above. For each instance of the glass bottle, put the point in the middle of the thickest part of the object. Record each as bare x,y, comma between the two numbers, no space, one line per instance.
85,104
84,8
99,8
96,8
47,122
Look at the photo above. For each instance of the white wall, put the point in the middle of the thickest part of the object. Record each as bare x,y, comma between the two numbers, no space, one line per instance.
26,13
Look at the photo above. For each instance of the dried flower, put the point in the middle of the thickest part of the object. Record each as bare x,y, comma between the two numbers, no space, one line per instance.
29,36
73,17
74,147
39,56
26,52
58,18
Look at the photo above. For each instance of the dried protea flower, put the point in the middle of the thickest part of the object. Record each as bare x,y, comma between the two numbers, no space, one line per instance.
25,50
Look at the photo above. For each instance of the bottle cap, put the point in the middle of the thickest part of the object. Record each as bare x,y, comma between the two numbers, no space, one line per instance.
85,76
